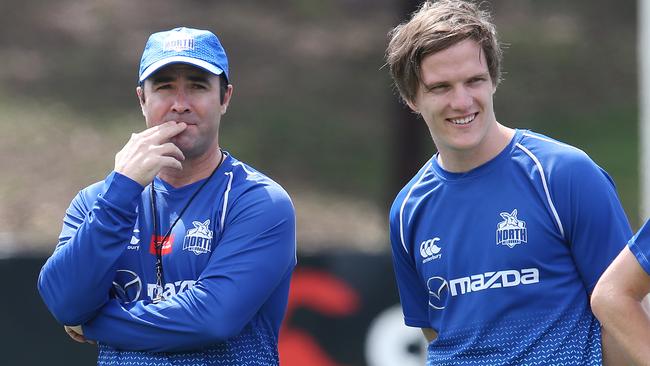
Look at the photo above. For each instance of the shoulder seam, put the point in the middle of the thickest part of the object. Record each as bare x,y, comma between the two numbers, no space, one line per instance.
401,209
540,169
239,163
225,201
550,141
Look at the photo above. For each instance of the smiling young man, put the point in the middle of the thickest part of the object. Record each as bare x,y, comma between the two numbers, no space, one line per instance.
500,238
183,254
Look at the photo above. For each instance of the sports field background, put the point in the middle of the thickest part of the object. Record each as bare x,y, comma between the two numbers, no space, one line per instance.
312,107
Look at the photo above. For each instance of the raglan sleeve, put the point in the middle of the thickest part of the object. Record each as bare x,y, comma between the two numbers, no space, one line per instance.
75,281
596,227
412,293
255,254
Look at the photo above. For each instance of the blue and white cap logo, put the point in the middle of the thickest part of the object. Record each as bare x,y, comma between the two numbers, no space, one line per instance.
179,41
196,47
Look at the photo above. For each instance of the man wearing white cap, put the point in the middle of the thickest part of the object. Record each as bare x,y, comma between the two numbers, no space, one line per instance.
183,254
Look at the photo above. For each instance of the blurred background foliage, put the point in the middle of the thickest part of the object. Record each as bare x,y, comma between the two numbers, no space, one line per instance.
313,107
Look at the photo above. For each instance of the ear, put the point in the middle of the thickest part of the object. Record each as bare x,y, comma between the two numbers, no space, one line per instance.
412,105
139,91
226,99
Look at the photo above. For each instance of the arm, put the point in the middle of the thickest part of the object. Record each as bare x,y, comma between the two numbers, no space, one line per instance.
75,281
255,255
616,301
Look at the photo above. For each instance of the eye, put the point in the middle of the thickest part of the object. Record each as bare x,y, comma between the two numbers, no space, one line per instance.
477,80
438,88
162,86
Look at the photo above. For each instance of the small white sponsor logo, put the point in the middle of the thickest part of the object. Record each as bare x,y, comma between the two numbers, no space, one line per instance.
170,289
511,231
439,288
429,250
134,244
127,286
199,239
499,279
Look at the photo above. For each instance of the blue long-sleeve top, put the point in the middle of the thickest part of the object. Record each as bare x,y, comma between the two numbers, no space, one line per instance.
226,267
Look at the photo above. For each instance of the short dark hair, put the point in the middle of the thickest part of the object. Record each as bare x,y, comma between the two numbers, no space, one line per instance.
223,87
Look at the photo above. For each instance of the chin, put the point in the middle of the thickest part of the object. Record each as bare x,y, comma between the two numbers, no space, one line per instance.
465,145
193,151
183,139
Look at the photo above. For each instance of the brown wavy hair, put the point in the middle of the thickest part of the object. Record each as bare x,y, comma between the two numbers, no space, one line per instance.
434,27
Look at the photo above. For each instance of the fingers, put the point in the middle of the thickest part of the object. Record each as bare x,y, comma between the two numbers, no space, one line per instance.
163,132
168,149
170,162
170,129
75,336
149,151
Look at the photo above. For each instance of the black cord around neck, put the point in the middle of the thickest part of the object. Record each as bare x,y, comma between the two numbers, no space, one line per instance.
158,244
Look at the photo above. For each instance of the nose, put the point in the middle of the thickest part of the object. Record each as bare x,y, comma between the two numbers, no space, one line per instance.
181,104
461,99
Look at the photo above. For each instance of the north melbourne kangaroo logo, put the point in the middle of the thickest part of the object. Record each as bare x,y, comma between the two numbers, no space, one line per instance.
199,239
511,231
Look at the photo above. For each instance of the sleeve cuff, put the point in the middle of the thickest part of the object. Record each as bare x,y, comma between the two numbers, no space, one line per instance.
416,323
640,256
121,191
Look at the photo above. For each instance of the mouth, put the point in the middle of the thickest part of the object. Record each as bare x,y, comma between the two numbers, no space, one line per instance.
180,121
463,120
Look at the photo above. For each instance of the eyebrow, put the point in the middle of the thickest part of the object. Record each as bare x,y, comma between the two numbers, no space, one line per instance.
433,84
159,79
481,75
